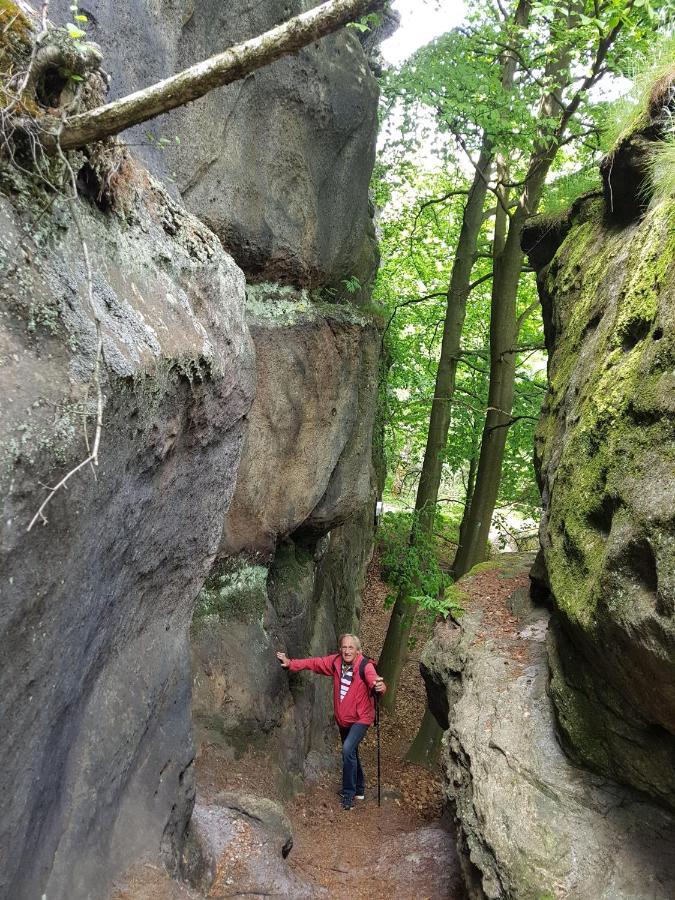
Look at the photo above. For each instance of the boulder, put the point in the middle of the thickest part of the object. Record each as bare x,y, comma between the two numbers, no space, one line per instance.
531,824
97,762
237,845
278,165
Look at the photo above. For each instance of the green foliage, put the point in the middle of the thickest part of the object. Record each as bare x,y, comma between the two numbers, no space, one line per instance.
414,569
352,284
662,170
236,591
366,23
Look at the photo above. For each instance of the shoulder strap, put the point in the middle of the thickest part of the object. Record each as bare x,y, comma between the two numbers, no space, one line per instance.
362,666
335,659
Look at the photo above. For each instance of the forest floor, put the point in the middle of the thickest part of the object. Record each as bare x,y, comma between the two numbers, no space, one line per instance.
404,849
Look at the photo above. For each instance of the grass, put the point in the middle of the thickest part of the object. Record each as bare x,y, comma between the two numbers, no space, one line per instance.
630,113
662,169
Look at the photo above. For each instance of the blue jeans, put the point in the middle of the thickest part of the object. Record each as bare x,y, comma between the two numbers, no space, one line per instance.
353,781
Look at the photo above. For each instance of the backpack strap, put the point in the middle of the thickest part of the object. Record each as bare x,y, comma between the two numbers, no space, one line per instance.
362,666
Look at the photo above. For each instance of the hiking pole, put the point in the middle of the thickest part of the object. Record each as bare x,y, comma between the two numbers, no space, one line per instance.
377,730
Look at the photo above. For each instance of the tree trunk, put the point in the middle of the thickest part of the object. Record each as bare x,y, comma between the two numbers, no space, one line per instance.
505,325
470,485
426,747
403,614
224,68
395,646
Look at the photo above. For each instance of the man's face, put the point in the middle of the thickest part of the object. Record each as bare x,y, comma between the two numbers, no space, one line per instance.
348,651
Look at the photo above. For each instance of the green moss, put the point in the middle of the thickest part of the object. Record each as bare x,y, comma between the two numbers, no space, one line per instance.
483,567
16,35
235,591
614,418
284,305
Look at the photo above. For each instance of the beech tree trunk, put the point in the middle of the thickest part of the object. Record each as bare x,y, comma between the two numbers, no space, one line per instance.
504,323
395,647
223,68
394,650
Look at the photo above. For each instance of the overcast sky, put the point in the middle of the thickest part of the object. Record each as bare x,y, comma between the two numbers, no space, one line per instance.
421,20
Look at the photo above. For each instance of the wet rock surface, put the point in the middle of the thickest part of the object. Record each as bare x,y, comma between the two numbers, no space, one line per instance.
278,164
531,823
97,763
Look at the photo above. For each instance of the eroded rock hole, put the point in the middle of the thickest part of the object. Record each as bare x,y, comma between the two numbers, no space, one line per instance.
50,87
89,185
635,332
658,334
601,516
639,560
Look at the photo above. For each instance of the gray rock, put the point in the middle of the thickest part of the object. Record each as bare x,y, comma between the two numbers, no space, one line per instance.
97,760
278,165
312,420
604,453
531,824
240,839
241,696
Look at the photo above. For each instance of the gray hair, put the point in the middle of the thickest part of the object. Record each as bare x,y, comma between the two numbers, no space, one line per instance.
357,642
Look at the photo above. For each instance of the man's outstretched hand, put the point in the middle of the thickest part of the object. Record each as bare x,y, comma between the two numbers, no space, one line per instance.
283,659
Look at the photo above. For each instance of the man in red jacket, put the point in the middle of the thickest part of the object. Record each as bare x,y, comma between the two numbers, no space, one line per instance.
353,702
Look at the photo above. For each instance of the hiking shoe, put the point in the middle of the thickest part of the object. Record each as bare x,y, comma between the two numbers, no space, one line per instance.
346,802
359,796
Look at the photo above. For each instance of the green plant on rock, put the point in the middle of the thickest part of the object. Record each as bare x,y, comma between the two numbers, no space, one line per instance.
237,590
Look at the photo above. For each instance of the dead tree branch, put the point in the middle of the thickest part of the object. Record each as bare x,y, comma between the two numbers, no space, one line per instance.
223,68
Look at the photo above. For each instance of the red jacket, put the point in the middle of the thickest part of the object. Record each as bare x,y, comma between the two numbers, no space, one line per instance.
358,705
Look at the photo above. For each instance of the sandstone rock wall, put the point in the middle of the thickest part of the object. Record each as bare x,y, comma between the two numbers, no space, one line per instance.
98,767
299,528
606,462
278,165
531,824
97,758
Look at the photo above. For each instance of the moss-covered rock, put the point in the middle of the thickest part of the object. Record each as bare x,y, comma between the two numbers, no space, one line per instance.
605,451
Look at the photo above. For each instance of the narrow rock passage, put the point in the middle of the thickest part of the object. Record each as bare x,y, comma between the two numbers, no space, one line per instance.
401,849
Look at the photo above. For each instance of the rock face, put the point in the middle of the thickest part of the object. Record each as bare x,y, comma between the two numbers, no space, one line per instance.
297,536
301,601
606,462
278,165
531,824
97,760
312,421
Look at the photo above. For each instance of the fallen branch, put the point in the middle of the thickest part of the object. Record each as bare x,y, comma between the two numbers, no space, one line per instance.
190,84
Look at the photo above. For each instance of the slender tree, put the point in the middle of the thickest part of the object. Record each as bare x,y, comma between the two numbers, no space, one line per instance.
403,614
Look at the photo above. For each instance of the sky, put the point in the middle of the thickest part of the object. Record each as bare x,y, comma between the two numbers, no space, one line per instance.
421,21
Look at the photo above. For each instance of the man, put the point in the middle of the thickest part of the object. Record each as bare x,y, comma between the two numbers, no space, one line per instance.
353,702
